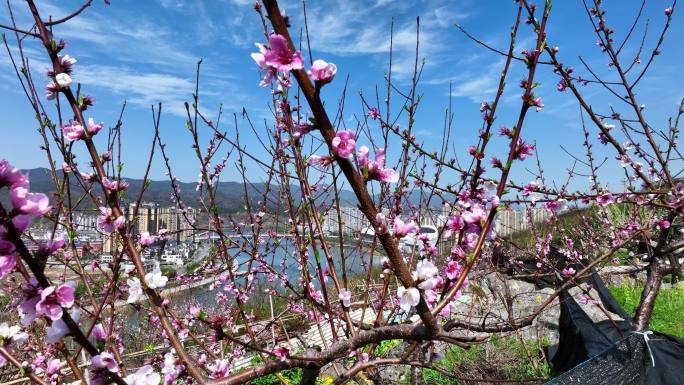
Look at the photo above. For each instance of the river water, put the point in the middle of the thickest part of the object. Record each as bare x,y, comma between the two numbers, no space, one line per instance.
283,258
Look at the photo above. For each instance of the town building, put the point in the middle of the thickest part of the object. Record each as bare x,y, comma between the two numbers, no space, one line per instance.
152,218
512,221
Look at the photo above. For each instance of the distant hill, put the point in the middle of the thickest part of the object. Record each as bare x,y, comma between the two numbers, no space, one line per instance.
230,196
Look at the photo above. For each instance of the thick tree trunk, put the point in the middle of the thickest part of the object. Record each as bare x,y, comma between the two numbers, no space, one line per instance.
676,268
644,311
311,372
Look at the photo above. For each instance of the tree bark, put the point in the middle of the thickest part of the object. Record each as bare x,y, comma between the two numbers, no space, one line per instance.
644,311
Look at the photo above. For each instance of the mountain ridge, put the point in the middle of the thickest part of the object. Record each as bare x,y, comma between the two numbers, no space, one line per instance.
230,196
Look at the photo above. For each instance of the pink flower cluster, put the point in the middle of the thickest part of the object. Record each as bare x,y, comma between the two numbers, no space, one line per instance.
373,113
320,161
114,186
375,169
523,150
280,56
52,299
48,302
344,143
281,353
322,72
62,79
75,131
277,57
402,229
605,199
146,239
107,221
26,205
220,369
103,364
466,223
24,201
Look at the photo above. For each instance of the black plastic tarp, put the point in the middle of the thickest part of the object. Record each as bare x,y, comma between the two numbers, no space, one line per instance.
611,351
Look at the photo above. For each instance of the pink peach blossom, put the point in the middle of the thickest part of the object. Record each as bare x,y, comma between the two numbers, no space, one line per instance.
373,113
344,143
281,353
67,63
53,298
7,264
146,239
105,360
268,71
107,222
29,203
114,186
322,72
523,150
605,199
10,176
94,128
51,90
375,169
345,297
99,333
73,131
453,270
455,224
402,229
320,161
408,297
280,56
663,224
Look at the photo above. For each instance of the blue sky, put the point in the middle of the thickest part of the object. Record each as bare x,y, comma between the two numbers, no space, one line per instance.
146,51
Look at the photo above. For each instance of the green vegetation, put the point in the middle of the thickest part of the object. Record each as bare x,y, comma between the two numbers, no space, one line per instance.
5,301
669,307
192,266
571,219
357,282
500,358
584,221
291,376
81,290
385,346
168,271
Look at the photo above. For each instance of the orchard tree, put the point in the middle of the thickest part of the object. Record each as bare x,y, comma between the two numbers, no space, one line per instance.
58,323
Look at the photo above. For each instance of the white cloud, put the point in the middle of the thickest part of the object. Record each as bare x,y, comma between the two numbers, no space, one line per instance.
351,28
478,88
242,2
478,83
172,3
141,59
142,40
142,89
